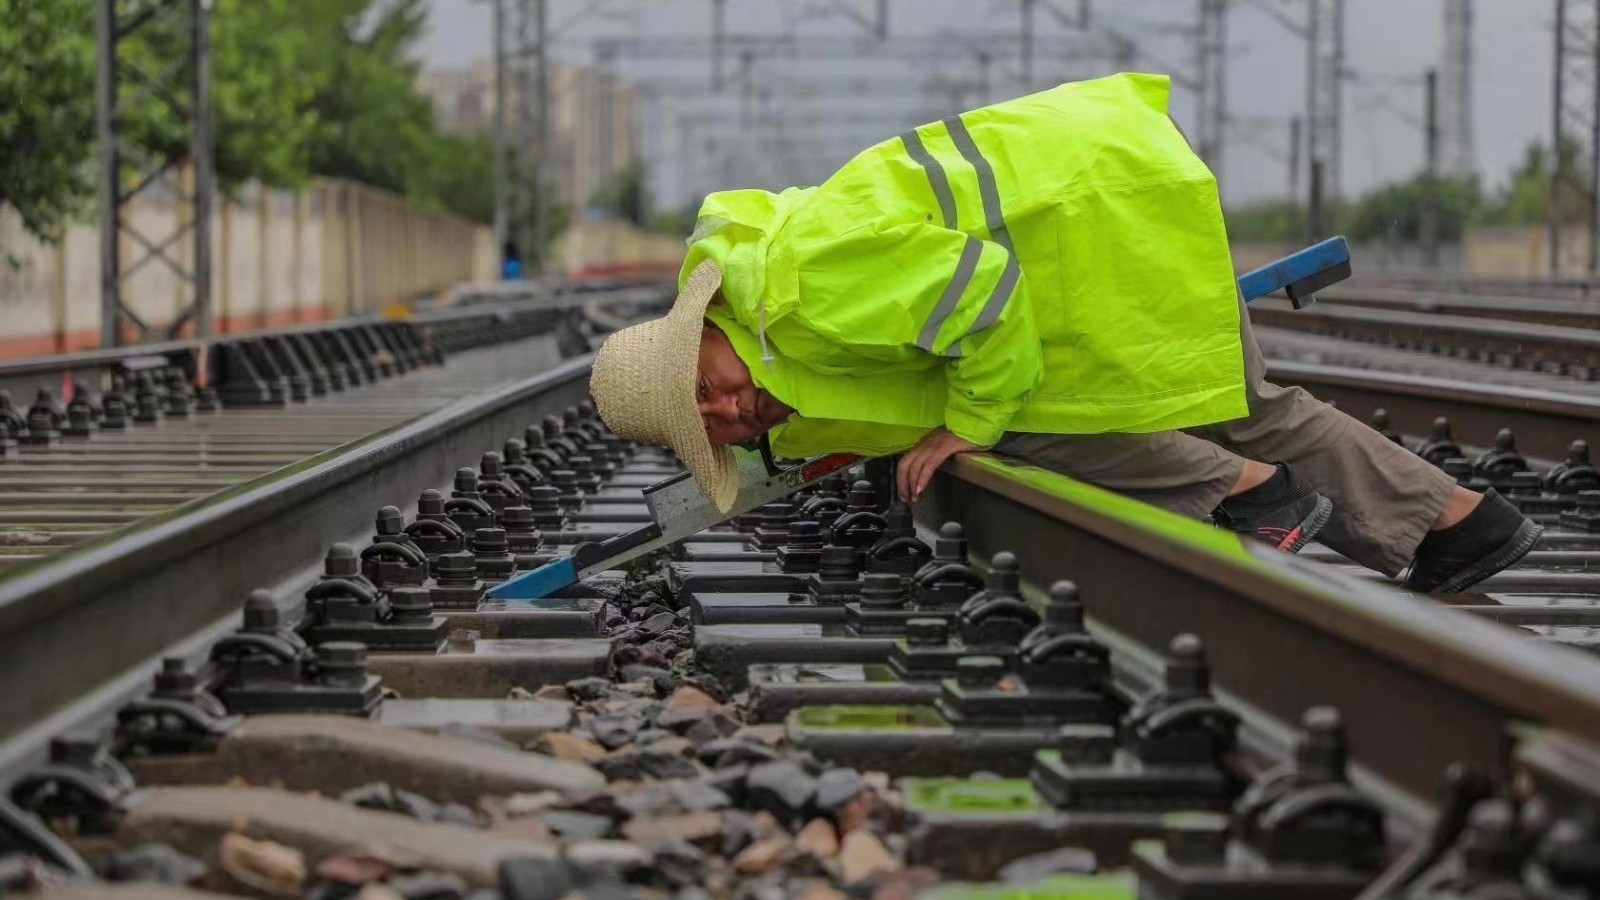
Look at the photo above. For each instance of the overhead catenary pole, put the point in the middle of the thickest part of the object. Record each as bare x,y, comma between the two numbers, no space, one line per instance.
1294,158
1575,128
719,36
1316,230
1325,89
1428,227
202,157
606,152
522,201
501,198
105,95
1594,141
542,178
182,88
1457,151
1557,168
1027,45
1211,62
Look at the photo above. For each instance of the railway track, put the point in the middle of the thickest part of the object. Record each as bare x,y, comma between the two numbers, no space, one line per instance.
752,712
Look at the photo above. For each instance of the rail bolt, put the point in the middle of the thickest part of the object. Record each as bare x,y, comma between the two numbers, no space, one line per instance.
927,632
1196,839
341,562
979,671
261,612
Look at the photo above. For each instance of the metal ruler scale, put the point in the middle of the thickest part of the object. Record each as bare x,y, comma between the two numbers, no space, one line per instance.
680,511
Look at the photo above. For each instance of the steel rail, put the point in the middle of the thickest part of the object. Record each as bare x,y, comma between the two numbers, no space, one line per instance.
470,304
77,621
1420,686
1566,285
1527,344
1543,310
1545,422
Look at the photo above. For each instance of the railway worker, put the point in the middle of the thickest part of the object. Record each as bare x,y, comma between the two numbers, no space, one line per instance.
1048,278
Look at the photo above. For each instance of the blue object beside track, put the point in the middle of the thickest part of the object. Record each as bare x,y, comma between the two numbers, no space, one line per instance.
537,583
1300,274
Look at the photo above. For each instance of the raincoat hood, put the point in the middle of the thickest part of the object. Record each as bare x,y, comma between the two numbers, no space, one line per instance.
737,230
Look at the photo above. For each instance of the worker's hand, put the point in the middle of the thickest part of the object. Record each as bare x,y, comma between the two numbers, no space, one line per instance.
918,464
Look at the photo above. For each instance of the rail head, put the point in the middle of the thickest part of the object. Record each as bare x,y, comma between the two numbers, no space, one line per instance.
1426,684
1466,328
116,604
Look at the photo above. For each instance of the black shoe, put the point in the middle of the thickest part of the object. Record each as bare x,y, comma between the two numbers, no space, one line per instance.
1490,538
1283,511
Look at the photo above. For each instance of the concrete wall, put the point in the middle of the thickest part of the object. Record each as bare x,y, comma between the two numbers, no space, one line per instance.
601,247
1490,251
278,257
1522,250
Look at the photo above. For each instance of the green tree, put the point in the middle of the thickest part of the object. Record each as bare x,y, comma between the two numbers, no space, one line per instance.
261,77
459,177
299,88
1278,220
373,125
1526,197
1395,212
264,73
46,110
625,195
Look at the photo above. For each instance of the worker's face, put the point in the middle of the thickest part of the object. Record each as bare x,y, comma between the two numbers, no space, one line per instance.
731,405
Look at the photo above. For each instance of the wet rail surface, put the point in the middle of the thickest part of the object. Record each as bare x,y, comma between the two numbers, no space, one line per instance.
1559,309
801,699
58,495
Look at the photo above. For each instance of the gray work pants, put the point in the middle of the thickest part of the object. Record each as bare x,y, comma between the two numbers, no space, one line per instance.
1385,498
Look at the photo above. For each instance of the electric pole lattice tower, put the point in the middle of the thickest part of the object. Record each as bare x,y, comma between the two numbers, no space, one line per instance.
1575,126
129,167
1324,103
1211,66
527,202
1458,153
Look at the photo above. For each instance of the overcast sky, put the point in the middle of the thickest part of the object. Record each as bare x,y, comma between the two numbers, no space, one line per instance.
1390,43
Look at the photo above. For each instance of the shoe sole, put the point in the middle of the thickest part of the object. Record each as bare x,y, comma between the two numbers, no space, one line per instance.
1309,527
1515,548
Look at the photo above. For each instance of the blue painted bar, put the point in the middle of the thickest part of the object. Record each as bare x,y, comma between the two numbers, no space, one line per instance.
537,583
1299,268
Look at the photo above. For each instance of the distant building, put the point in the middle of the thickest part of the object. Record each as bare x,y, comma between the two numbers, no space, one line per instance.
587,146
463,99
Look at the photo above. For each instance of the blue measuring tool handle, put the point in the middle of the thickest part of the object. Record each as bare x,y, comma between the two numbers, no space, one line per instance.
1300,274
537,583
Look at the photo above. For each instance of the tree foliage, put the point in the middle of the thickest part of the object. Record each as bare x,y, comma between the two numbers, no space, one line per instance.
624,194
1278,220
300,88
1395,213
46,109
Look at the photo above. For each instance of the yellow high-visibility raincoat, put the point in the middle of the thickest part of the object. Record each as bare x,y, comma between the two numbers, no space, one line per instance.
1055,263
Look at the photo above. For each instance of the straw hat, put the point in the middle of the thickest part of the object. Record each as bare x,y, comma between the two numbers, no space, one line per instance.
643,385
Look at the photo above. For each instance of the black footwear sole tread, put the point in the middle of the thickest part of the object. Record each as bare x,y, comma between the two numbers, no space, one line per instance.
1312,525
1516,547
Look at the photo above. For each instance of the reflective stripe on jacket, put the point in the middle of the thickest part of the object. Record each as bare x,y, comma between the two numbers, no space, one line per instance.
1056,263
